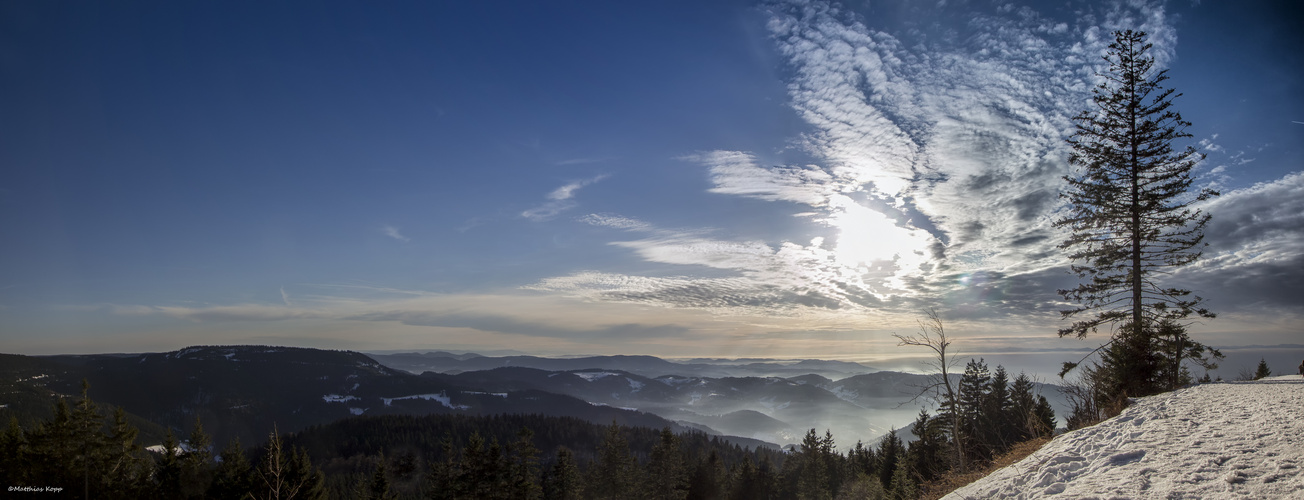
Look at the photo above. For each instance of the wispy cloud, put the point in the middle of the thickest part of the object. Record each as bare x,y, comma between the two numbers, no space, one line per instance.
937,163
559,200
615,222
393,232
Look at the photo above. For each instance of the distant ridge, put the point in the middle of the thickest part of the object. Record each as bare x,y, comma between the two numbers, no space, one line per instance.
648,366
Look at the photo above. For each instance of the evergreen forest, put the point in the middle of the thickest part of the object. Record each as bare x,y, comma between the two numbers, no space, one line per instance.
92,452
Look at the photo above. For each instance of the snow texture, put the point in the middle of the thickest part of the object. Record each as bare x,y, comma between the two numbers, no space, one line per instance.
591,376
441,398
1225,440
634,385
336,398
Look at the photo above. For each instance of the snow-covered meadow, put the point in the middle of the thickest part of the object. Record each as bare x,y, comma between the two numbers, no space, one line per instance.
1223,440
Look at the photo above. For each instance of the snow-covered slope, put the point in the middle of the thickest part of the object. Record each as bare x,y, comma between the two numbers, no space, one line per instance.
1225,440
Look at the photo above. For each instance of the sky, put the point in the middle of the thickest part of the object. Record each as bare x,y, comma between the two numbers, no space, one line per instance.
718,179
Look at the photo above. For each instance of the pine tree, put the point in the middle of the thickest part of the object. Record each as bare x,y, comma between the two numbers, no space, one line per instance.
378,487
813,473
1262,370
926,454
563,481
197,463
903,484
997,413
168,469
891,454
523,473
971,398
667,477
1043,418
614,475
231,477
746,481
14,454
483,470
127,470
861,460
1131,218
1022,403
710,479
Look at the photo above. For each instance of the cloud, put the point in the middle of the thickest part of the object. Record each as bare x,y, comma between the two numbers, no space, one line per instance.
507,324
615,222
559,200
392,232
938,155
528,314
1255,255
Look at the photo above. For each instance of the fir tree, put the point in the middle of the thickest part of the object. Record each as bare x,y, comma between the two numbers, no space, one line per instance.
168,468
483,472
1262,370
231,477
563,481
926,454
1043,418
1131,219
710,480
813,473
14,454
378,486
667,477
523,473
997,418
903,485
891,453
615,473
971,398
196,463
746,481
1022,404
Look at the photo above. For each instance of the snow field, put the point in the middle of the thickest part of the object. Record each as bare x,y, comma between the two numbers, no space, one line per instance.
1225,440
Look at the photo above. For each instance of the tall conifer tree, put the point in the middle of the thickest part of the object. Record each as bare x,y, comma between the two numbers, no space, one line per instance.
1132,218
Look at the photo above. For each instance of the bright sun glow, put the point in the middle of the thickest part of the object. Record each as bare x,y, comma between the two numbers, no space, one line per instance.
868,239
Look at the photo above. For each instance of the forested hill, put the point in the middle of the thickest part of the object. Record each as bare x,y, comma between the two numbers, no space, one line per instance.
244,391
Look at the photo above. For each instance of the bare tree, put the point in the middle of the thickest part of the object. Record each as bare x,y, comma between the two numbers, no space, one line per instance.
932,335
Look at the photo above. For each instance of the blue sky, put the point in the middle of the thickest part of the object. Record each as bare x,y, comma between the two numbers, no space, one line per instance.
680,179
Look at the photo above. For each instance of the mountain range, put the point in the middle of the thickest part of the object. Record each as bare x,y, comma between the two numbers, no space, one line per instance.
245,391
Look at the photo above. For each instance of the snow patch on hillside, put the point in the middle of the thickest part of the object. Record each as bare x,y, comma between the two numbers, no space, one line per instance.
336,398
1238,439
441,398
849,395
674,380
591,376
499,394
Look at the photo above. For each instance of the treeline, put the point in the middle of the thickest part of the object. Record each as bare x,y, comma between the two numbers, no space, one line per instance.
517,456
81,452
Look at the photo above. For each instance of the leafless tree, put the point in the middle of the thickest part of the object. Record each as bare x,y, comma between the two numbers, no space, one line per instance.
932,335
